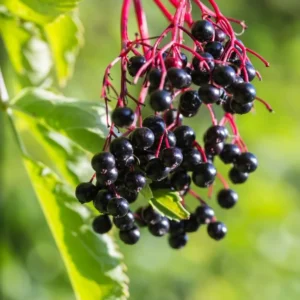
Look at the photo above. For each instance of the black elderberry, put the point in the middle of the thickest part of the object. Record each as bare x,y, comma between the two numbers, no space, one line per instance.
189,103
156,124
85,192
160,100
216,49
216,230
180,180
204,175
124,162
185,136
220,35
130,195
150,215
216,134
176,228
144,158
238,79
237,177
142,138
121,148
178,241
107,178
244,92
230,153
135,63
192,224
154,77
226,105
118,207
251,72
101,200
102,224
156,170
126,222
199,77
241,109
191,158
246,162
171,157
204,214
135,180
103,161
179,78
213,148
171,140
123,116
159,228
199,64
227,198
130,237
170,116
209,94
203,30
224,75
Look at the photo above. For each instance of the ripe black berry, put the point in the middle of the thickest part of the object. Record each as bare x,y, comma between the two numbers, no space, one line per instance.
203,30
251,72
179,78
216,134
216,49
246,162
189,103
135,180
209,94
118,207
171,157
181,180
85,192
244,92
160,100
178,241
237,177
156,170
121,148
150,215
142,138
229,153
102,224
185,136
170,116
220,35
227,198
124,162
103,161
199,77
135,63
213,149
192,224
107,178
130,237
241,109
130,195
101,200
199,65
160,228
191,158
123,116
154,77
204,175
126,222
224,75
216,230
176,228
156,124
204,214
171,139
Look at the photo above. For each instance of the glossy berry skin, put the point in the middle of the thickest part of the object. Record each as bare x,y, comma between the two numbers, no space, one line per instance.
216,49
220,35
101,200
185,136
178,241
123,116
199,77
192,224
216,134
246,162
156,170
227,198
189,103
160,100
107,178
135,63
170,116
135,180
130,195
160,228
224,75
126,222
118,207
145,158
180,180
85,192
125,162
229,153
142,138
204,214
103,161
154,77
203,30
216,230
237,177
102,224
150,215
171,139
191,158
179,78
244,93
199,64
251,72
171,157
130,237
226,105
156,124
209,94
121,148
213,149
176,228
204,175
241,109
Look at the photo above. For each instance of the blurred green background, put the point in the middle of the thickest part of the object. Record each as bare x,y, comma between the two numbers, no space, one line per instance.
259,259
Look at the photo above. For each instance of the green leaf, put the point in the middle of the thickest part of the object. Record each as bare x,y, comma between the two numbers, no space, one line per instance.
39,11
92,261
81,121
146,192
65,36
169,204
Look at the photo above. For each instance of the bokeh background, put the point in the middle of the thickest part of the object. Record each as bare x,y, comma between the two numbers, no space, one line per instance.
259,259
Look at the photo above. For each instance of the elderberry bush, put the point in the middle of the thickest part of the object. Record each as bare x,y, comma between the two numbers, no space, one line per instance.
161,151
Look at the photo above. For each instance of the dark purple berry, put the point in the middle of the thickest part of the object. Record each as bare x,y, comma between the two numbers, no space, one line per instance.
241,109
154,77
171,157
102,224
224,75
203,30
126,222
227,198
102,199
251,72
229,153
170,116
85,192
213,149
142,138
121,148
123,116
130,237
199,64
237,177
159,228
176,228
209,94
246,162
160,100
107,178
185,136
150,215
178,241
244,93
204,175
180,180
179,78
156,124
118,207
135,63
204,214
216,134
216,49
220,35
192,224
189,103
191,158
103,161
156,170
135,181
216,230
